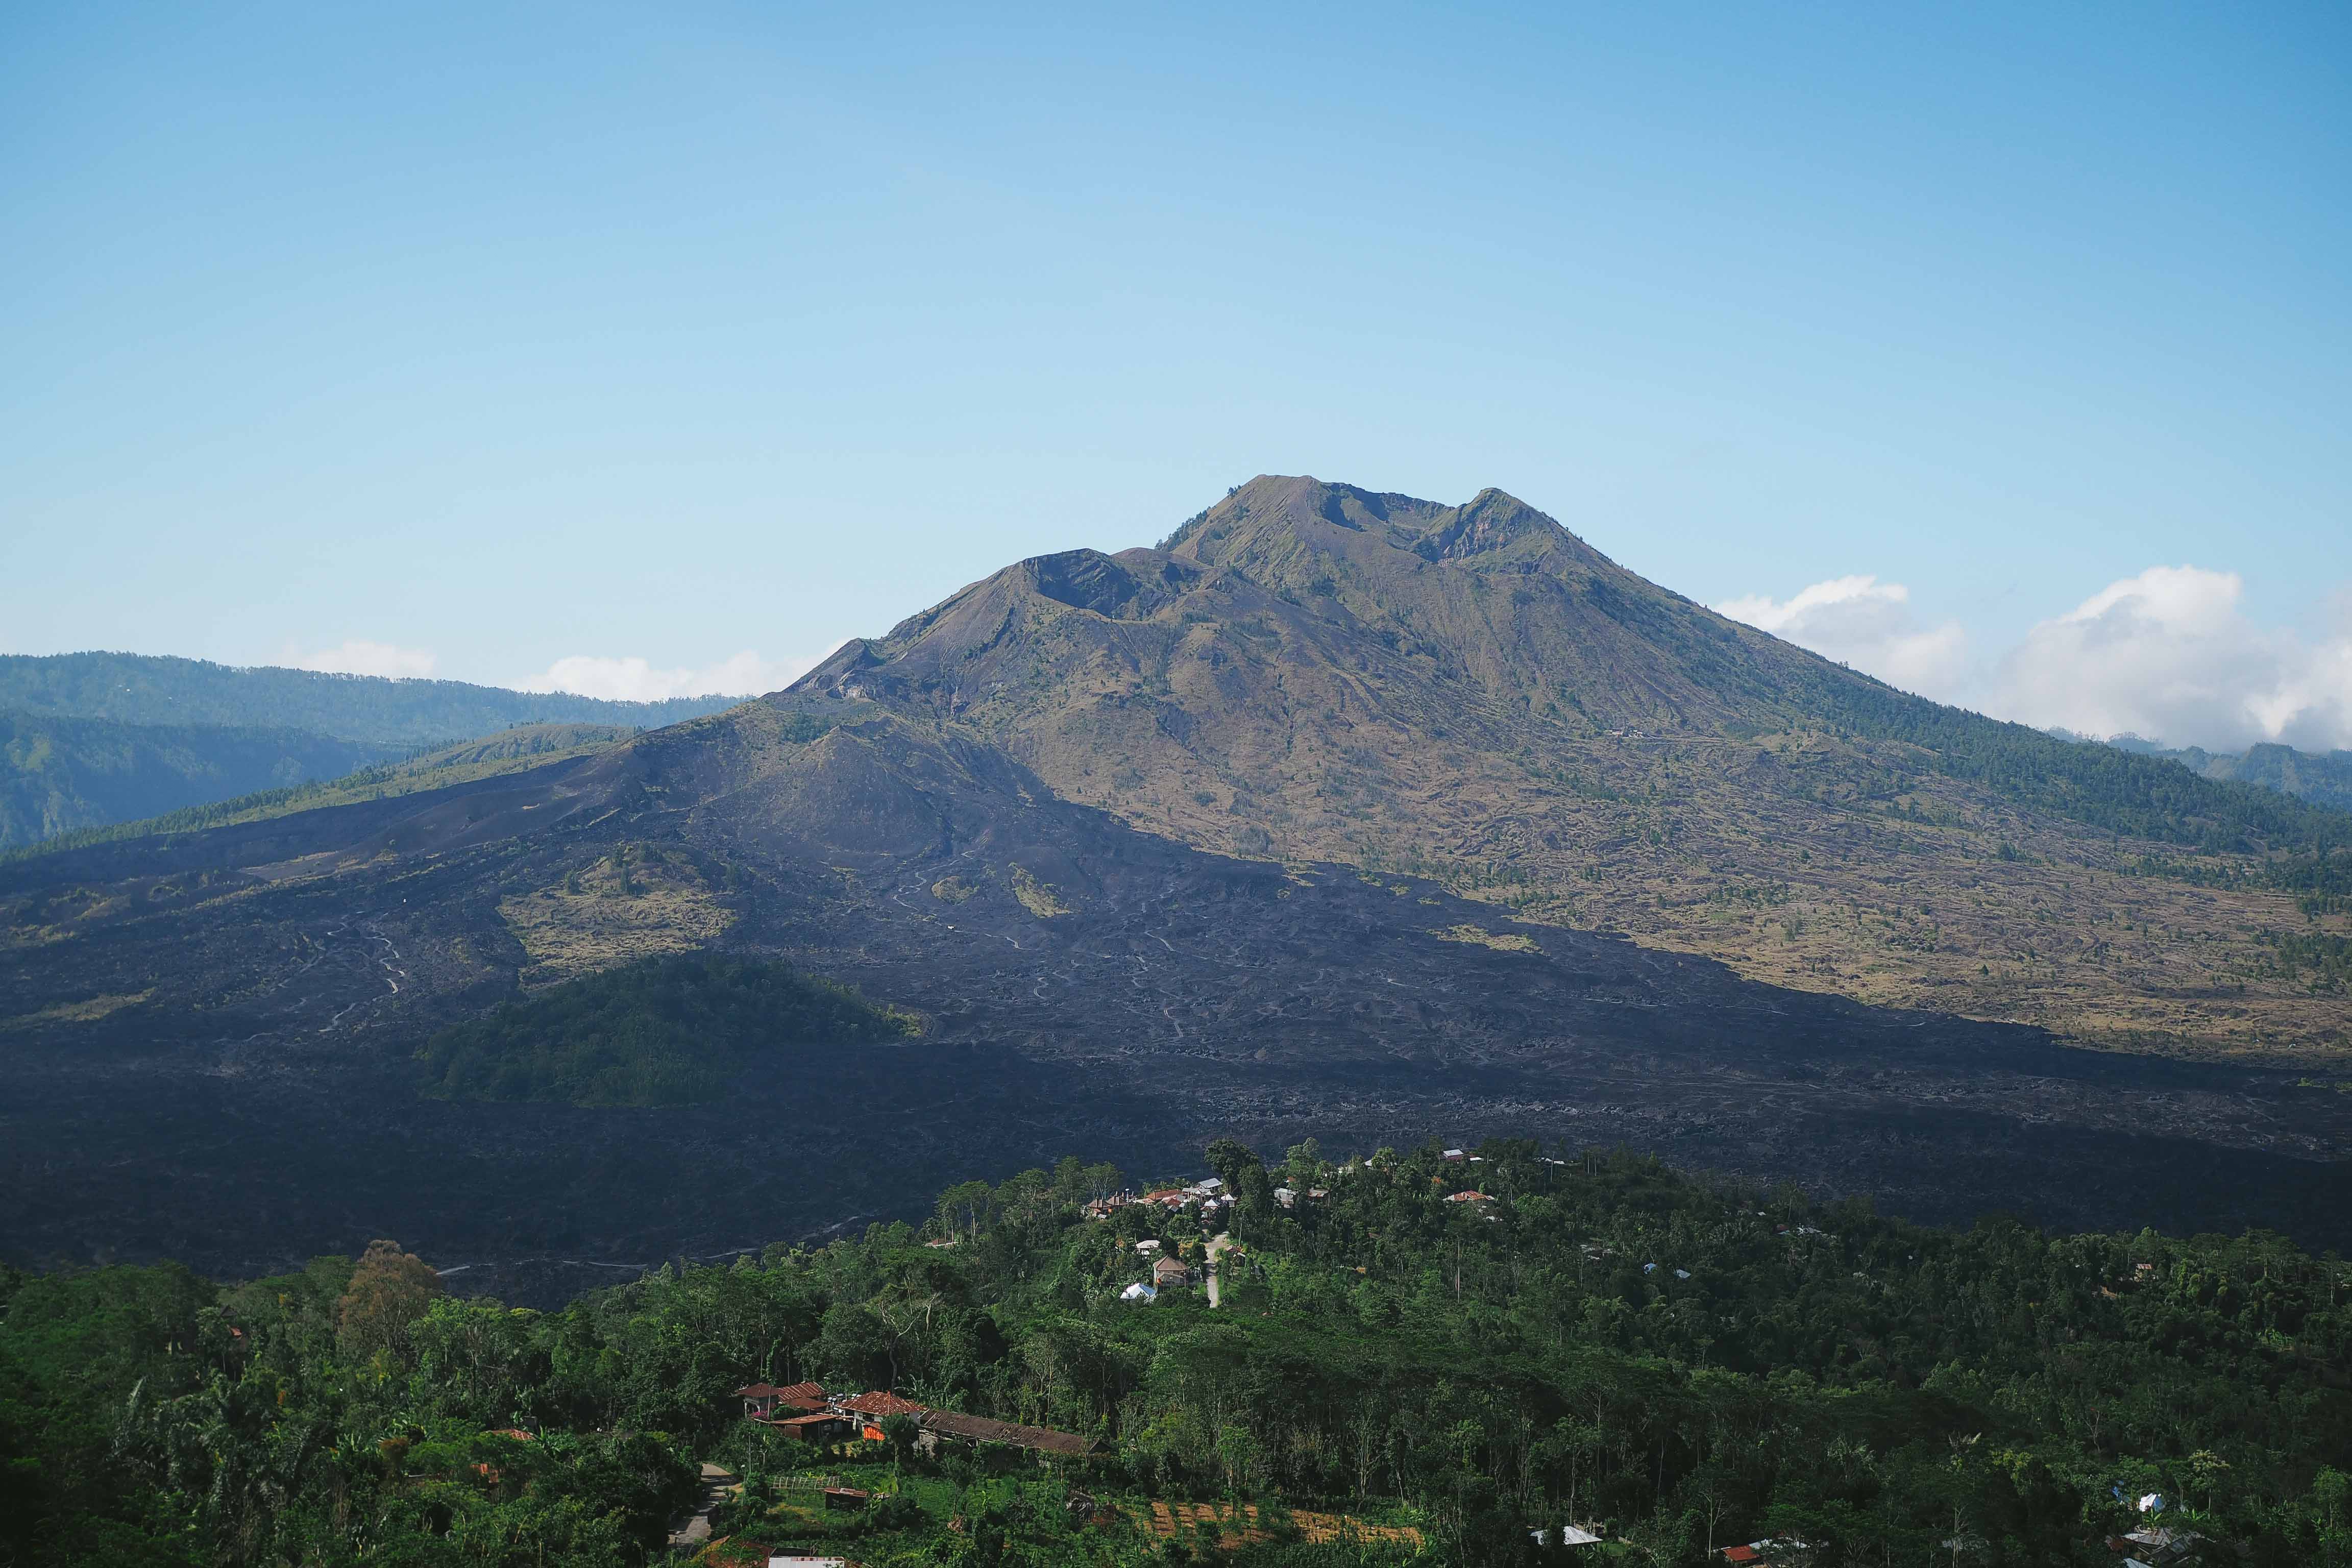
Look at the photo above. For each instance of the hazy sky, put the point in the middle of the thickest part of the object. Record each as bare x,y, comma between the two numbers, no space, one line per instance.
2001,350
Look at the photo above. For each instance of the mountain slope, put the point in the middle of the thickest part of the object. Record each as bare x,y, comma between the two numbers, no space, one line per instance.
138,688
212,1040
60,774
1296,827
1315,672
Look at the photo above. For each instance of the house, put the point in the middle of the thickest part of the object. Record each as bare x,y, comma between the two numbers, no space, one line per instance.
847,1498
819,1426
949,1426
1138,1292
1455,1156
1469,1198
1147,1248
1170,1271
760,1399
1566,1535
870,1410
1287,1198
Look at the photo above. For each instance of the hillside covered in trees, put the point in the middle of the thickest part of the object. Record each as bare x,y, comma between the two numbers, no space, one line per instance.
93,743
147,688
59,775
1589,1338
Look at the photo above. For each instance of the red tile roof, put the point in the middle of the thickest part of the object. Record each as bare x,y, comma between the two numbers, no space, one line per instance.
801,1396
881,1404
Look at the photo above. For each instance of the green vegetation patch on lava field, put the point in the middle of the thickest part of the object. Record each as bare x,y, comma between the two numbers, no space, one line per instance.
663,1031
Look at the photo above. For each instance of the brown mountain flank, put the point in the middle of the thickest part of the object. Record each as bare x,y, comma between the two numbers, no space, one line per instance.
1313,672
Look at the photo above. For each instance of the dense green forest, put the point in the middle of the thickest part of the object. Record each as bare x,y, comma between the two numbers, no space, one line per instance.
60,774
1676,1364
661,1031
142,689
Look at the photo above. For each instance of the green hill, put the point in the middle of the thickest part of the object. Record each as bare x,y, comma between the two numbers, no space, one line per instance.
141,688
61,774
662,1031
510,751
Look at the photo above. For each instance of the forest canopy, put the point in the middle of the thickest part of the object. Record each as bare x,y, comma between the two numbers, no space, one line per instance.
1456,1350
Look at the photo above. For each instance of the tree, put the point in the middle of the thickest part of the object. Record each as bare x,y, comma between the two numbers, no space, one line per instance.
964,1207
389,1290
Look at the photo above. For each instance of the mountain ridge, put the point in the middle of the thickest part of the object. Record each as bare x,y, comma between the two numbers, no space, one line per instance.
162,688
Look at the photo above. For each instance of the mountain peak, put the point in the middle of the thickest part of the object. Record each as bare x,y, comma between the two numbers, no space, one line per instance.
1277,521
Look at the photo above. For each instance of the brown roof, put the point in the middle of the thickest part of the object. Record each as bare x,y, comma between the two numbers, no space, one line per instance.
819,1419
882,1404
1170,1269
980,1430
802,1396
758,1391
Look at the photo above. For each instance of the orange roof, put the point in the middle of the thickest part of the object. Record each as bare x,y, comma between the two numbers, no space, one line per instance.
882,1404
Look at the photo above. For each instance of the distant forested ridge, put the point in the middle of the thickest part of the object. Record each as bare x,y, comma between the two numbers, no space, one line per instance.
662,1031
2322,779
1452,1351
59,775
527,745
142,689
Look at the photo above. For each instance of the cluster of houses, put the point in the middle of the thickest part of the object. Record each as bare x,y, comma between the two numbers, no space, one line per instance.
807,1412
1208,1196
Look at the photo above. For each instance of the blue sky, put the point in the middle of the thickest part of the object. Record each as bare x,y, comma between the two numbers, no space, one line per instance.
490,338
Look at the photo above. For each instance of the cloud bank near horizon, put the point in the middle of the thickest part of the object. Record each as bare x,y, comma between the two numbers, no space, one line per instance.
636,679
2166,654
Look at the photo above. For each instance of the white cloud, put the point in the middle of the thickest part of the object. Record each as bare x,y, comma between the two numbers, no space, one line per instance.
632,679
2167,654
1864,623
356,658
